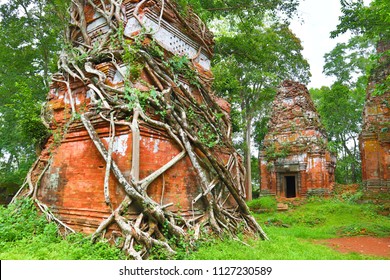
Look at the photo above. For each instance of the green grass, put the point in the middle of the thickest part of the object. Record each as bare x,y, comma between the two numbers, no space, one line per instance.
25,235
295,235
42,248
329,218
279,248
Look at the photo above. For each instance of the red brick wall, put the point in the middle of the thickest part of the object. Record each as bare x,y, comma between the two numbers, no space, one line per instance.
73,186
313,174
375,144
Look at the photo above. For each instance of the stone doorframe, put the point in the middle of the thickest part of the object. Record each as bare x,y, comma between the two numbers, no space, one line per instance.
281,189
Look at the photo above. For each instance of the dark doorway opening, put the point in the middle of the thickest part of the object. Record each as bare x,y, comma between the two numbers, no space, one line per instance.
290,187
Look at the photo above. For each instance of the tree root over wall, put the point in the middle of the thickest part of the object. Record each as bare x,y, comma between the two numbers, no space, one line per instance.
124,106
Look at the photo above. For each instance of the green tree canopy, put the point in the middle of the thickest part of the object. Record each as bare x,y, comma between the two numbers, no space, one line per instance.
340,109
370,27
29,40
210,9
373,21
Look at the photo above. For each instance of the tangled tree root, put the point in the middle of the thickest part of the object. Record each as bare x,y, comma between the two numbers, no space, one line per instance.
125,106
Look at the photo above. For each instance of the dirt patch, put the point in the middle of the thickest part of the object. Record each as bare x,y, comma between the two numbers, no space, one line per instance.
366,245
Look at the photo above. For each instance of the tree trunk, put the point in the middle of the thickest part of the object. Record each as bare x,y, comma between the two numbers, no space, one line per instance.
248,157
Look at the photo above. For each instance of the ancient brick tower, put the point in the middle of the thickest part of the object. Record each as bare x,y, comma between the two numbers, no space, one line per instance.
69,175
295,161
375,135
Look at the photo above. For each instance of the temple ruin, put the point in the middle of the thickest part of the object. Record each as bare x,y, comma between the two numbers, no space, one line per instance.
295,161
73,185
375,135
140,146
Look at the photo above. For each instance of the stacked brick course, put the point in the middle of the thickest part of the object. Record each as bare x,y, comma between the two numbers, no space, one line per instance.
295,161
73,184
375,135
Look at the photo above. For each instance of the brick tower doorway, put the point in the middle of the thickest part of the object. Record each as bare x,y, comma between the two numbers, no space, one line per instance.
290,186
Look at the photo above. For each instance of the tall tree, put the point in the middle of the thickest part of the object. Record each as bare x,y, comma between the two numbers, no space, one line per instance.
341,105
29,40
349,63
253,58
340,109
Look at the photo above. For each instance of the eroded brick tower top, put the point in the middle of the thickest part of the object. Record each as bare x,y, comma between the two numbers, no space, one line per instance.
295,160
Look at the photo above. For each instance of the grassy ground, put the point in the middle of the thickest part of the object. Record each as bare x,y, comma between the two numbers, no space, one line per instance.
24,235
293,234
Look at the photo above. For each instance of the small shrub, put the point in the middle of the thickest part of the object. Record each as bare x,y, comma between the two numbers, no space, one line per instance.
20,220
311,220
363,229
25,234
351,230
265,203
352,197
276,223
307,219
315,199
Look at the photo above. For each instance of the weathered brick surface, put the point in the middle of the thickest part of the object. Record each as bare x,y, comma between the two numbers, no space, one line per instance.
375,135
73,185
295,146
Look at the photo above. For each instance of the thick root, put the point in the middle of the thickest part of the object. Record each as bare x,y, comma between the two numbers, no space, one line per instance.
220,181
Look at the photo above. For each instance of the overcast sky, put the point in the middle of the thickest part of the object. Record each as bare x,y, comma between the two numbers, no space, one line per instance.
320,17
